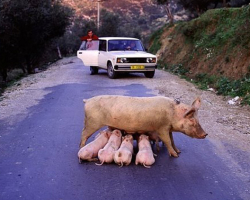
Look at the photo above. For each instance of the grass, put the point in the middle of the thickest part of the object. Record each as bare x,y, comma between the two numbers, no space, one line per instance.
13,76
156,42
216,32
222,85
230,26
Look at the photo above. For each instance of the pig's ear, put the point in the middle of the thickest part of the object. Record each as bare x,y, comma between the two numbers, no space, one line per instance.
197,103
190,113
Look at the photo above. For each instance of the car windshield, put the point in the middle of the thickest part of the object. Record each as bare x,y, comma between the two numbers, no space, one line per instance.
124,45
92,45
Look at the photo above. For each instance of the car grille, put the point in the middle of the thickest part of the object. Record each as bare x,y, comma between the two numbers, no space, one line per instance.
136,60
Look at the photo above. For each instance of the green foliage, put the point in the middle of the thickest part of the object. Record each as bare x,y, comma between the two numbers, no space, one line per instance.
231,26
27,28
178,69
156,42
70,42
204,81
109,24
222,85
225,86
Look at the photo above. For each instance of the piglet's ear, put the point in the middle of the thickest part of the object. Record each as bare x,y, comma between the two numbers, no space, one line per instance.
197,103
190,113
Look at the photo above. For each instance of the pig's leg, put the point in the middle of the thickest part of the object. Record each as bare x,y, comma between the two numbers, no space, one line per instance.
88,131
165,137
172,141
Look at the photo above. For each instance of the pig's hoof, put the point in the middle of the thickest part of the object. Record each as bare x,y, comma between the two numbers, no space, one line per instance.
177,151
80,161
174,154
147,166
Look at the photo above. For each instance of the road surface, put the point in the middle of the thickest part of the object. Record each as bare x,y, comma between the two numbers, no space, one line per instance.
38,152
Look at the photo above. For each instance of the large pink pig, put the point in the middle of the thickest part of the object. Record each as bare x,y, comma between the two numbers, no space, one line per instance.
106,154
145,155
124,154
143,114
90,151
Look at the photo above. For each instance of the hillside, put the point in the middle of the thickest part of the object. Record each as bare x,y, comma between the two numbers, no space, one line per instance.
143,14
214,48
216,43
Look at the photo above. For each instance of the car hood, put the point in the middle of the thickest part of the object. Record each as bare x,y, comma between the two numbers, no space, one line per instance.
132,54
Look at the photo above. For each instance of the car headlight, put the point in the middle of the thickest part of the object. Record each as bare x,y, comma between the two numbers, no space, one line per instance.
121,60
151,60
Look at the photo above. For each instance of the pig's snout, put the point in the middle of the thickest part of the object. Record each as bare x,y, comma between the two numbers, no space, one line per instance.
203,136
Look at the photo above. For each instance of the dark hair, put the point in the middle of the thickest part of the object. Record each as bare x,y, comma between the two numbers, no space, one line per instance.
89,31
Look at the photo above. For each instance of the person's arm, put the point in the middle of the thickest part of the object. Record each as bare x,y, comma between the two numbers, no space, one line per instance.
84,38
94,37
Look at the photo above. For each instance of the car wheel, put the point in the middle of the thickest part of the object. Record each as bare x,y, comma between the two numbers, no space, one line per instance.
111,72
93,70
149,74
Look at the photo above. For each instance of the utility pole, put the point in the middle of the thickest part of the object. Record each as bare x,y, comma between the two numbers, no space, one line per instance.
98,14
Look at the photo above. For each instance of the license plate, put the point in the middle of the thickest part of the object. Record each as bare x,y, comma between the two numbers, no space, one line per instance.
137,67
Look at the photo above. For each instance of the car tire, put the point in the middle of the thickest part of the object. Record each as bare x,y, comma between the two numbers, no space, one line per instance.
93,70
111,72
149,74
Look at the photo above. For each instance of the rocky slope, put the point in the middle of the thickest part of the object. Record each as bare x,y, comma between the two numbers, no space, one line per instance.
143,14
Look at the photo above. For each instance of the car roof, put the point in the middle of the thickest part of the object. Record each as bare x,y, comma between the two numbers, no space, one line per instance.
117,38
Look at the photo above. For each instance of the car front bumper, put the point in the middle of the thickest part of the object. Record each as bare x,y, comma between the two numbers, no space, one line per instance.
129,68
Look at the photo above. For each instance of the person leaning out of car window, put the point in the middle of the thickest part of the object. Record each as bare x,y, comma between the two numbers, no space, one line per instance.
89,37
87,43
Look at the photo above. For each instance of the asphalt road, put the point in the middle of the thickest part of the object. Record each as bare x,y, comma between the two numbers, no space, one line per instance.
38,154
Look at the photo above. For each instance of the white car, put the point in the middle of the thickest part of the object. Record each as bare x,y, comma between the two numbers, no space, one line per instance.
117,54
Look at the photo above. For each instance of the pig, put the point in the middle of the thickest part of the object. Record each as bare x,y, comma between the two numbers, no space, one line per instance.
153,136
145,155
124,154
106,154
90,151
143,114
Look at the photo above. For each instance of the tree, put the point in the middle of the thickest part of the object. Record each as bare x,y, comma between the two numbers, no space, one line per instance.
201,6
168,9
71,41
27,27
109,24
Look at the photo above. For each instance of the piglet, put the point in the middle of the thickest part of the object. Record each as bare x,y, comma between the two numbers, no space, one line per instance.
106,154
153,136
124,154
90,151
145,154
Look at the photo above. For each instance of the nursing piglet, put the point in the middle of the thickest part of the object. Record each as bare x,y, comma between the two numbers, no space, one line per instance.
154,137
90,151
106,154
124,154
145,154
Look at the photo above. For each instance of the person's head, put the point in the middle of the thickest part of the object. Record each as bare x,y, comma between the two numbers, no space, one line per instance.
132,44
90,33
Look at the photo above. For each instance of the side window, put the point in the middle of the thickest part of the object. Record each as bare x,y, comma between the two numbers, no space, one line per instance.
93,45
102,45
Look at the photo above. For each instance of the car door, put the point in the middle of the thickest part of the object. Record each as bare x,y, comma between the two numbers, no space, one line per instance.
102,57
89,52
